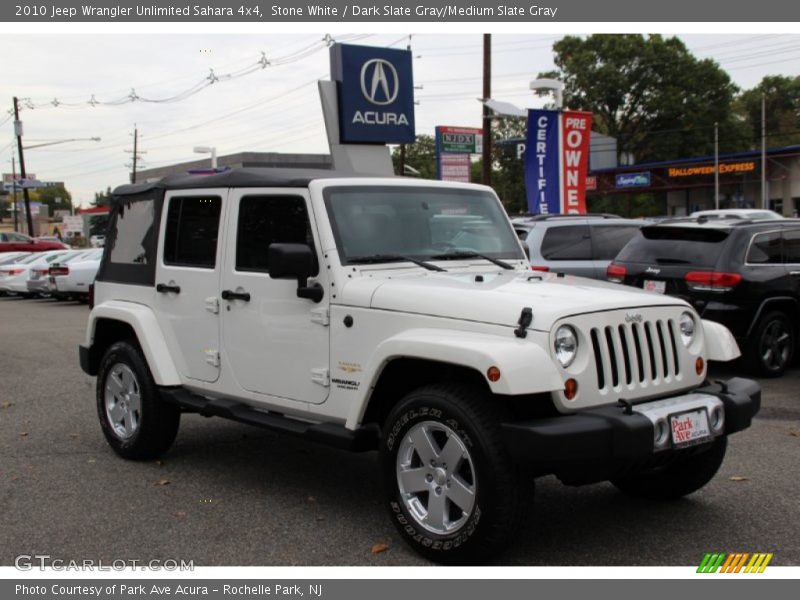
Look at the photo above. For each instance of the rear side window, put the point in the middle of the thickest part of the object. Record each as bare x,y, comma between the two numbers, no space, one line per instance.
791,246
570,242
265,220
192,228
608,240
134,234
765,249
668,245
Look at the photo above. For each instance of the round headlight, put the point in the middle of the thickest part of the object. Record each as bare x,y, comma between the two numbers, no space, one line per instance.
687,327
565,345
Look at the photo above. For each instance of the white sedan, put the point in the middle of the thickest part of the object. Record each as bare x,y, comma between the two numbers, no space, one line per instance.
14,277
73,279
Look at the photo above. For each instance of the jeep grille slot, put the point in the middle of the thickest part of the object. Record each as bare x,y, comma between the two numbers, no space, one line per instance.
635,354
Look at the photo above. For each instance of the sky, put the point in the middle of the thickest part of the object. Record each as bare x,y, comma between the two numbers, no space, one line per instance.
263,107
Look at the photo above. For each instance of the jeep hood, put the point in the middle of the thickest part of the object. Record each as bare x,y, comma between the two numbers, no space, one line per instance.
496,298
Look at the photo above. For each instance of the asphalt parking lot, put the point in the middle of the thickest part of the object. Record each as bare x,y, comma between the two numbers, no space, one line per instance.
229,494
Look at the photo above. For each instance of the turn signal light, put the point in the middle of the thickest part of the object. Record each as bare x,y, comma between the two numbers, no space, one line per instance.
493,374
570,389
712,281
699,365
616,273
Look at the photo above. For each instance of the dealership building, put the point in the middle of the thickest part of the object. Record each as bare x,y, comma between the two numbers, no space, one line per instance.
688,184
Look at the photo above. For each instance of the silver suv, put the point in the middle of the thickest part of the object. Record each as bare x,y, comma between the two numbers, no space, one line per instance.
581,245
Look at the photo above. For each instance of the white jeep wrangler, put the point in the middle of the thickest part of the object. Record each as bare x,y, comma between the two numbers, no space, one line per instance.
400,315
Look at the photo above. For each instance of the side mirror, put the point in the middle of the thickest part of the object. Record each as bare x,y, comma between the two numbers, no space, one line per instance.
295,261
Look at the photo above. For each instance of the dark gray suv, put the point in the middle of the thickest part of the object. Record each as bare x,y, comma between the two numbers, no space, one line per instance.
581,245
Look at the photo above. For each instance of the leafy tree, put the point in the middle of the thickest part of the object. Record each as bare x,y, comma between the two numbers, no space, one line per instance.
102,198
782,96
650,93
55,197
421,155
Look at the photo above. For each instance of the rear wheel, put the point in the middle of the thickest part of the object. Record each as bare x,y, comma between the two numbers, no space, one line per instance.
678,479
771,345
137,424
451,489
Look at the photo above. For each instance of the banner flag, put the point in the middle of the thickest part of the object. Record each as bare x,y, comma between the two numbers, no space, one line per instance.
542,182
576,128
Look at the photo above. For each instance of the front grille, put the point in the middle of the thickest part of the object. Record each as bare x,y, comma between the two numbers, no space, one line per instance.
635,354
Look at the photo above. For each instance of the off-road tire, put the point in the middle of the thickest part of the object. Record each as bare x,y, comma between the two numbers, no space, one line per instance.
502,492
157,421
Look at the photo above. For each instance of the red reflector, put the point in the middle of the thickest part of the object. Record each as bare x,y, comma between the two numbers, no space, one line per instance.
712,279
616,273
541,268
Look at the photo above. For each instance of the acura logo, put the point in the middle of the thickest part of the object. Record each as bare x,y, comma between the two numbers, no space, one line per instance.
379,81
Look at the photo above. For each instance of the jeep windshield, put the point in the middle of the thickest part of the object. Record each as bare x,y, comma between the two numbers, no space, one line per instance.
419,223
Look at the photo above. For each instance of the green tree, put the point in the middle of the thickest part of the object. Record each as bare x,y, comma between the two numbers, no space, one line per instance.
650,93
421,155
782,97
102,198
55,197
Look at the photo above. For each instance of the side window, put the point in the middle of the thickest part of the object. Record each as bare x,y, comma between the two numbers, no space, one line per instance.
791,246
570,242
521,233
608,240
3,237
765,249
190,239
134,234
19,238
265,220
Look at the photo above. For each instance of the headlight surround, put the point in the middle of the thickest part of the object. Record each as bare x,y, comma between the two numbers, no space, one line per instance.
565,345
687,326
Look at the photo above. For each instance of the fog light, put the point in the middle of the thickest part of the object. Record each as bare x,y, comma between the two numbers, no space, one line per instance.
699,365
660,432
717,419
570,389
493,374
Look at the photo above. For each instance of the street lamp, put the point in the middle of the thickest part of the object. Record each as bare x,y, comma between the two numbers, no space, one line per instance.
554,85
53,142
208,150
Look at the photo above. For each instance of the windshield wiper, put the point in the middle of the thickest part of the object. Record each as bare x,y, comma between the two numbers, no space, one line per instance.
387,258
470,254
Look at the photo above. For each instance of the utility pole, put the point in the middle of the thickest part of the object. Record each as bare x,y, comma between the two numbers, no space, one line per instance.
716,165
487,113
764,201
135,153
14,190
25,196
402,160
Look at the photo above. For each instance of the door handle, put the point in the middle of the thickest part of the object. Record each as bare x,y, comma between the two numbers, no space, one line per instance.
163,288
231,295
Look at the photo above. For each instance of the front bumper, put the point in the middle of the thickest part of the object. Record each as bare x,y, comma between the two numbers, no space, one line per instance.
601,443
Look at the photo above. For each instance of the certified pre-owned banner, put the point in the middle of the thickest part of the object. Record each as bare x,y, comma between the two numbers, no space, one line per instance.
556,161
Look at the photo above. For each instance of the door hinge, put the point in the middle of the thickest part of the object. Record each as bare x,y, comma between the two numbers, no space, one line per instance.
212,305
321,377
212,357
321,316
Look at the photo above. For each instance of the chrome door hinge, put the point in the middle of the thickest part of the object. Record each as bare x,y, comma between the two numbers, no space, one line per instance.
322,316
321,377
212,305
212,357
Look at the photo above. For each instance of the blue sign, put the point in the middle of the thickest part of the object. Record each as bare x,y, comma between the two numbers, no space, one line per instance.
628,180
376,94
542,182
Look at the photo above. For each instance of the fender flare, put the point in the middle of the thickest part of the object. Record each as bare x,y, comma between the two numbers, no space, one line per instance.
525,366
148,333
720,344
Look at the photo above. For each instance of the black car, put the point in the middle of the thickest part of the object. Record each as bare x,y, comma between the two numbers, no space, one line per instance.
741,273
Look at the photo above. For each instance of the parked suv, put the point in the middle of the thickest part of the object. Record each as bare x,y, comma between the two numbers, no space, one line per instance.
743,274
581,245
400,315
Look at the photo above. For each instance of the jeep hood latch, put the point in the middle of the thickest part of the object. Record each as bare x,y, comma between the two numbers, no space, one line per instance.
525,320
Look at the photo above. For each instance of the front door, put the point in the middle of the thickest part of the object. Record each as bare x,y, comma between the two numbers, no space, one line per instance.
274,342
187,280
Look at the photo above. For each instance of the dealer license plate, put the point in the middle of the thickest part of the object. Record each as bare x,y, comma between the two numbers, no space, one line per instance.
689,428
651,285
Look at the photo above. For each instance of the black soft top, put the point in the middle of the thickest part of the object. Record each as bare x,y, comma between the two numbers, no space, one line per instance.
242,177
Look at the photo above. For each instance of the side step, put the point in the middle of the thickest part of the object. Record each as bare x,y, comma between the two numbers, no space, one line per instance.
331,434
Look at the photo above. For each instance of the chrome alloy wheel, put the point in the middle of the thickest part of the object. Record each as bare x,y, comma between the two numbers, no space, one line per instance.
775,345
123,401
436,477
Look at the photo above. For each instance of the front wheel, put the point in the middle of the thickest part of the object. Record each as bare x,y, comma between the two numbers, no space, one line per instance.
451,489
678,479
771,345
137,424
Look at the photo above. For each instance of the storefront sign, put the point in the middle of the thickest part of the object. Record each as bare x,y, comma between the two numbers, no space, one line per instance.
724,169
628,180
454,167
460,140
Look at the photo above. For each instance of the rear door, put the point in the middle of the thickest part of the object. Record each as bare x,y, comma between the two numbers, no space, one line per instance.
187,280
568,249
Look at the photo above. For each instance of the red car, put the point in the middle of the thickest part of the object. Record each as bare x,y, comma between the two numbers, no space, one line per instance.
19,242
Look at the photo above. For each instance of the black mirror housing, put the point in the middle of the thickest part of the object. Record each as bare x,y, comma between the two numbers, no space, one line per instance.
295,261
